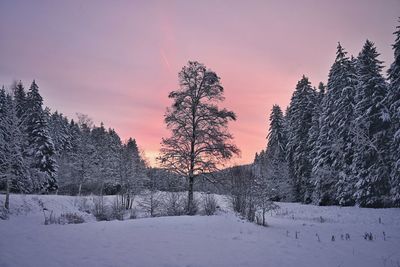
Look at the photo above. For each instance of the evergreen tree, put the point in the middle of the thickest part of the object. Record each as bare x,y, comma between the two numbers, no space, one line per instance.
345,132
59,130
61,135
328,165
33,140
100,141
40,149
277,179
112,164
3,128
260,167
12,167
299,122
315,123
393,102
132,172
372,124
20,100
276,137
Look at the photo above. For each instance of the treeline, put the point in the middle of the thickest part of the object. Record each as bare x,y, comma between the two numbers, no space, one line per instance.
42,151
339,144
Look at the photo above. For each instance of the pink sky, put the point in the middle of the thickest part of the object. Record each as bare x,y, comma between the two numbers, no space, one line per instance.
117,60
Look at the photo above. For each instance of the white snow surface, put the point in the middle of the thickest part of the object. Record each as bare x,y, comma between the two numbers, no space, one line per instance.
220,240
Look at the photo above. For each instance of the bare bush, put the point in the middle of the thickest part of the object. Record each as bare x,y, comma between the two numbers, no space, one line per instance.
151,203
127,199
117,210
102,212
263,205
49,217
132,214
174,204
100,209
64,218
241,191
209,203
3,213
83,205
250,210
70,218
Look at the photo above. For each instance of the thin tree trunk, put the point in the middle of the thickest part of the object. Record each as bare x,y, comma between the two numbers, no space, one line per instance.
102,188
190,196
79,189
7,202
191,210
263,215
151,205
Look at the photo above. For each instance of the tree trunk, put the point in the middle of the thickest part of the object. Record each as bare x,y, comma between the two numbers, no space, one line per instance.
263,215
79,189
7,202
151,205
191,209
128,201
131,202
102,188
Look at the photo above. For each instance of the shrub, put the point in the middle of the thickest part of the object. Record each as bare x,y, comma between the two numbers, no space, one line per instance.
117,210
100,209
263,205
49,217
133,214
70,218
209,204
3,213
64,218
151,203
83,204
174,204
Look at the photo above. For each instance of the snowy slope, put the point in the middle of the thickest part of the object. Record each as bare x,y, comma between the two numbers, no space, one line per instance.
222,240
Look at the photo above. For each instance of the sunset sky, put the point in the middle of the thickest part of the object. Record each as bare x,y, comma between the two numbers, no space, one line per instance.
117,60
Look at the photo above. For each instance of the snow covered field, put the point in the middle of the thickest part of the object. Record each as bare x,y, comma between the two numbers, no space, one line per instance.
221,240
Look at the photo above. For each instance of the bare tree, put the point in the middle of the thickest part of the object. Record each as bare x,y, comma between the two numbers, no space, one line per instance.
84,121
200,140
241,180
85,150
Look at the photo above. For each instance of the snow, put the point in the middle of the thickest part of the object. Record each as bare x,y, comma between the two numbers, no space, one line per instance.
221,240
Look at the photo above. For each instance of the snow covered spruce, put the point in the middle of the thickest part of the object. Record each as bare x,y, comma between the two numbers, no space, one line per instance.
339,145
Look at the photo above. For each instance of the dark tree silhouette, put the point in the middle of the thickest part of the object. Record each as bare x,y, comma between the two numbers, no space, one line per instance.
200,140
